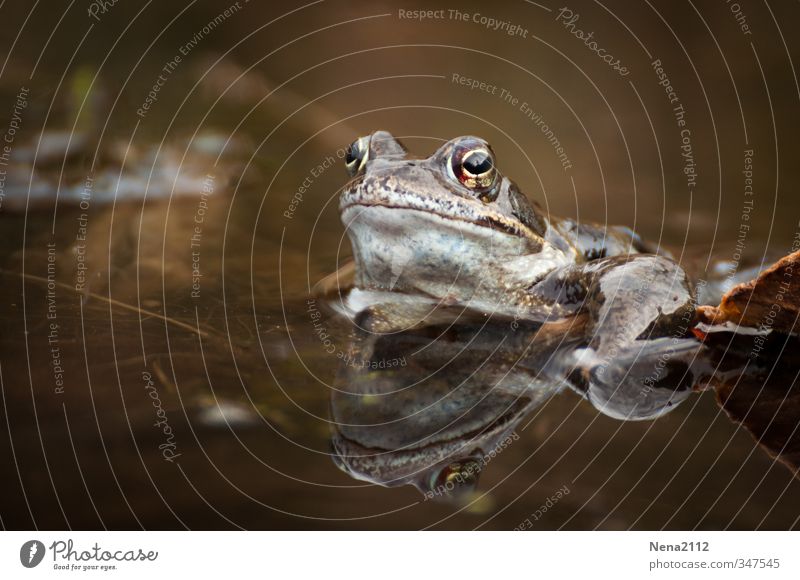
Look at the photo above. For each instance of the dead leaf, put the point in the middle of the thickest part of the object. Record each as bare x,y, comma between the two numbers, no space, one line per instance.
770,302
754,332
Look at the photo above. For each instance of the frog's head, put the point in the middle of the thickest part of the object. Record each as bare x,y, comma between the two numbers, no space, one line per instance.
436,435
446,404
448,226
451,479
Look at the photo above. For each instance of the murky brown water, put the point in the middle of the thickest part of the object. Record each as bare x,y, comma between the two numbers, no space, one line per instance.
137,393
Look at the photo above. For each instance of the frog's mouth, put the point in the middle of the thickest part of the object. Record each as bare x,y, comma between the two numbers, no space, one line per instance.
393,467
358,199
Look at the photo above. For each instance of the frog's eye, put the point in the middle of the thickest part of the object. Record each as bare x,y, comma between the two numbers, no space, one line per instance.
472,164
356,155
455,478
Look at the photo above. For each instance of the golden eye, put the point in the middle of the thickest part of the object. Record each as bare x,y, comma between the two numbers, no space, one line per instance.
356,156
456,476
477,169
472,164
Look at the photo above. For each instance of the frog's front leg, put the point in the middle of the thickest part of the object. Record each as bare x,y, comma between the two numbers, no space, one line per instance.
637,363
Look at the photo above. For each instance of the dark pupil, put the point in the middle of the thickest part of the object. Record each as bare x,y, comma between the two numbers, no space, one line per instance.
352,154
478,163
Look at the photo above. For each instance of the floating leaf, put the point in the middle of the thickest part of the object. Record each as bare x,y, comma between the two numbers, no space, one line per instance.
754,330
771,302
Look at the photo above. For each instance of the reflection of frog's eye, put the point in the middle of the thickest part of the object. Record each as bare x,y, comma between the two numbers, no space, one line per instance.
455,478
474,168
356,155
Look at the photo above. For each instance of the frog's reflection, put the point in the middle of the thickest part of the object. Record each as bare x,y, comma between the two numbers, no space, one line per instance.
431,406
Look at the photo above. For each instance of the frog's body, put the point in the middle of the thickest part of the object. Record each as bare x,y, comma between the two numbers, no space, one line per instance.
448,231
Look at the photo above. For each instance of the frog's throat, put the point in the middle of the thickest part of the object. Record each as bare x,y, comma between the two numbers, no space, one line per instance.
455,262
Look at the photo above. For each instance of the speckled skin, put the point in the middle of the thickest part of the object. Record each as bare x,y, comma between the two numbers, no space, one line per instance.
423,241
458,396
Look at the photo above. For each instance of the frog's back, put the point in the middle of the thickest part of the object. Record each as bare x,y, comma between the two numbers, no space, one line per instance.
595,241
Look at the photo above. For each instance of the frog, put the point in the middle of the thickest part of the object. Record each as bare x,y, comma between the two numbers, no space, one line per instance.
433,406
449,236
